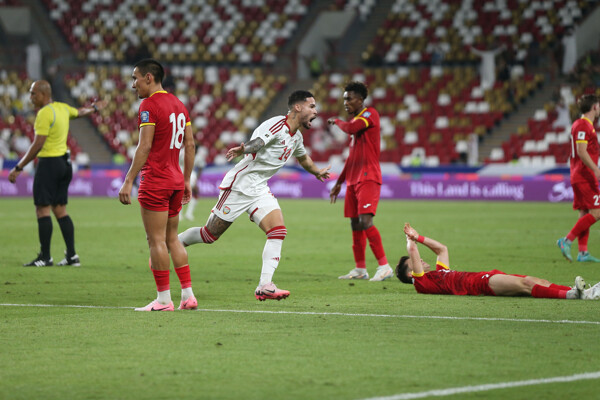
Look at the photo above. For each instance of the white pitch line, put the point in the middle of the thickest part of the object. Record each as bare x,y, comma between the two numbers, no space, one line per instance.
549,321
489,386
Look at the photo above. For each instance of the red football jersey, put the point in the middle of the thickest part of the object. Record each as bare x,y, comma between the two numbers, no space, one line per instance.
583,131
446,281
363,161
169,117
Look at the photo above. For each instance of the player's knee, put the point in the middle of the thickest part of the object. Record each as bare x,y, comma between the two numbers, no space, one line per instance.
527,284
278,232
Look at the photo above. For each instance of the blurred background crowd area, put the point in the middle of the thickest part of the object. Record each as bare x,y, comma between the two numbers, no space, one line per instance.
456,82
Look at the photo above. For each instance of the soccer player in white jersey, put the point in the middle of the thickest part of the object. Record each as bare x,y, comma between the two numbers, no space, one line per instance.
244,188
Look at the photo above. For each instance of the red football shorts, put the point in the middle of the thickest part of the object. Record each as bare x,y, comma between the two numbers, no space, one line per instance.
161,200
361,198
585,196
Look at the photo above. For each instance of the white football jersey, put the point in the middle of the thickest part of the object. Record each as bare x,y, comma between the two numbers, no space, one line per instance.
251,174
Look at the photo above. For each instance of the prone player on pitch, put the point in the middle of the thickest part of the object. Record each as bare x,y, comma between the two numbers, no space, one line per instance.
413,270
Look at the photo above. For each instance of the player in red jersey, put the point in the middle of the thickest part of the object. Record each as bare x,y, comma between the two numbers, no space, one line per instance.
362,174
165,129
584,178
413,270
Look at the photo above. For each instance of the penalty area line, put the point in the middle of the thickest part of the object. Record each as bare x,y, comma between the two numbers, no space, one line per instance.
489,386
333,314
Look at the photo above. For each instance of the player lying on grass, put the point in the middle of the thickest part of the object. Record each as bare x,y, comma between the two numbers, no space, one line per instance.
413,270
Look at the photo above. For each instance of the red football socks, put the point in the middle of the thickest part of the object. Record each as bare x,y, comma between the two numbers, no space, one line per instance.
359,243
543,292
184,275
582,240
581,226
376,245
560,287
162,280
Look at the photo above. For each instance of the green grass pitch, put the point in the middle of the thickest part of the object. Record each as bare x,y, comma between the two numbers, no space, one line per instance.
330,339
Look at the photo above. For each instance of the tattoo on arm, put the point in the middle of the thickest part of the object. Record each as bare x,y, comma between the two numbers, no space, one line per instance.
254,145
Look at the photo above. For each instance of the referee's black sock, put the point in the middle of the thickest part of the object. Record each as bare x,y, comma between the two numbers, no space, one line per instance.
45,234
68,232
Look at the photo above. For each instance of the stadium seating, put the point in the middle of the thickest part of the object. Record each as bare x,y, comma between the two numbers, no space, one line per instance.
362,7
224,103
232,31
17,114
426,113
418,32
545,140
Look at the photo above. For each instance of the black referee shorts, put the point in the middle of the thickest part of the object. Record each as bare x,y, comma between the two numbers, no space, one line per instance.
51,181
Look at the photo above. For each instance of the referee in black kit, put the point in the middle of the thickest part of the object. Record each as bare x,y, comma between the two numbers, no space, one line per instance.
54,171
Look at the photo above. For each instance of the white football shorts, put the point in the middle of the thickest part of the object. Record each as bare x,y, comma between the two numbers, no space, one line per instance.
232,204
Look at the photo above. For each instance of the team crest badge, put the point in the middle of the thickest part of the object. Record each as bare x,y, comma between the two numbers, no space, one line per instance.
226,210
145,116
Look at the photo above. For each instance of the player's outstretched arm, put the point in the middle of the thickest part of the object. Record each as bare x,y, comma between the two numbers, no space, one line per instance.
415,257
438,248
252,146
95,107
309,165
352,127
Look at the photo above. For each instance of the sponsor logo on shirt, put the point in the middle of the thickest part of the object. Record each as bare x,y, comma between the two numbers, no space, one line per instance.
366,114
145,116
226,210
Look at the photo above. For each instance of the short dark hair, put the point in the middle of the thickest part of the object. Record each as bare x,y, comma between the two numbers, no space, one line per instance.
358,88
150,65
586,102
298,96
401,269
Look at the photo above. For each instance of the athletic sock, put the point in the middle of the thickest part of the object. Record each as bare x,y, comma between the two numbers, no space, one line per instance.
359,243
45,235
376,245
560,287
164,297
581,226
68,232
543,292
161,277
186,293
582,241
272,253
185,278
196,235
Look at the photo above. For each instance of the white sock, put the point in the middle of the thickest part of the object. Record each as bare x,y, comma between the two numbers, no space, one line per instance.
186,293
190,236
196,235
190,208
384,266
270,256
164,297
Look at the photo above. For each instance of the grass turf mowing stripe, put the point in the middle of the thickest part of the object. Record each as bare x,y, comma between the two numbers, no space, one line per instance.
489,386
564,321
